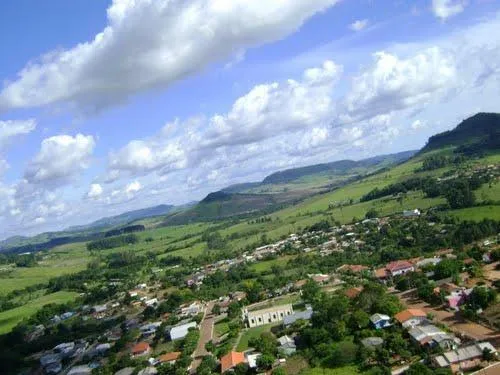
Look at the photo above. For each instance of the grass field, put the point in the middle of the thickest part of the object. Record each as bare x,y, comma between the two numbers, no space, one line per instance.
251,333
221,328
8,319
477,213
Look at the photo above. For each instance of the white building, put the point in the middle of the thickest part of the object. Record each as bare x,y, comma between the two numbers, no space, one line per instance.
180,331
268,315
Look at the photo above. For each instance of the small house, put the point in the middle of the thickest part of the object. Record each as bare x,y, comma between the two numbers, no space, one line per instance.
140,349
411,317
231,360
180,331
380,321
287,345
169,358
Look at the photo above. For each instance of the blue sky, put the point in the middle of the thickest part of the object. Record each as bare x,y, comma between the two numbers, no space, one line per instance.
107,106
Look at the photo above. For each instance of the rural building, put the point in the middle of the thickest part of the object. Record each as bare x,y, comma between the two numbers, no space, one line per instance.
465,358
411,318
288,320
399,267
80,370
169,357
411,213
140,349
180,331
231,360
266,316
287,345
352,293
372,342
380,321
432,336
252,358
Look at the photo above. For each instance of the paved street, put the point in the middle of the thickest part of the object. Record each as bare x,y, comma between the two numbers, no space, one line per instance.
206,334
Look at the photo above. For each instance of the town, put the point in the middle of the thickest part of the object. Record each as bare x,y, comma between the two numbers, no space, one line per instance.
437,308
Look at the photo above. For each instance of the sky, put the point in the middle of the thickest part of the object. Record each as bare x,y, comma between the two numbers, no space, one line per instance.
108,106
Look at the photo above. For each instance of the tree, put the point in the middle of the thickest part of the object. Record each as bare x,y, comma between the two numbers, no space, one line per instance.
446,268
265,361
241,369
217,309
279,371
418,368
459,194
371,213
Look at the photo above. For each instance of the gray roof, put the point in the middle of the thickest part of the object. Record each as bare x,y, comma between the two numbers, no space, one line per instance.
181,331
464,354
125,371
378,317
305,315
372,341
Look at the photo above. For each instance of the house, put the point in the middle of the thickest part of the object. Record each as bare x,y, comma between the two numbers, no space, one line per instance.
372,342
180,331
140,349
66,349
411,317
464,358
231,360
287,345
151,302
125,371
458,297
192,309
80,370
288,320
99,311
251,359
381,274
353,268
411,213
267,315
352,293
169,357
427,262
399,267
432,336
150,328
320,278
148,371
380,321
49,359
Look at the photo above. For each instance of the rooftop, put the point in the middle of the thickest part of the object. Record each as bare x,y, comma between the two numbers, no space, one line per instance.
405,315
230,360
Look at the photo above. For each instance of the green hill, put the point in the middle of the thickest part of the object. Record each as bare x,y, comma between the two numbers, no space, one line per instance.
480,132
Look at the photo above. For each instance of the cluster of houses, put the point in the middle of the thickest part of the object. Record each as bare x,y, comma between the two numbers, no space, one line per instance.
459,358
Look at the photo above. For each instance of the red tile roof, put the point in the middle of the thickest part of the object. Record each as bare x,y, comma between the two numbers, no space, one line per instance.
169,357
231,360
398,265
381,273
405,315
140,347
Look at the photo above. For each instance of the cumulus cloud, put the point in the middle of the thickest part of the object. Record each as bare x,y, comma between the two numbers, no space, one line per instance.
133,188
148,44
60,158
95,191
392,83
266,111
445,9
359,25
13,128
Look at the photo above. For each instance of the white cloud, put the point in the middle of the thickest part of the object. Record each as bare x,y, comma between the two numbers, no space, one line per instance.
60,158
266,111
149,44
133,188
95,191
13,128
417,124
392,83
40,220
444,9
359,25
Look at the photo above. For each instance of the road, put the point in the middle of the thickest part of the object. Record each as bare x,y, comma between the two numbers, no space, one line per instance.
206,334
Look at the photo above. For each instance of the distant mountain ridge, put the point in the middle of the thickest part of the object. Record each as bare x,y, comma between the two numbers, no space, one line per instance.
336,167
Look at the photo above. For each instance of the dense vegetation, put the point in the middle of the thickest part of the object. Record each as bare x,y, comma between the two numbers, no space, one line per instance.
112,242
